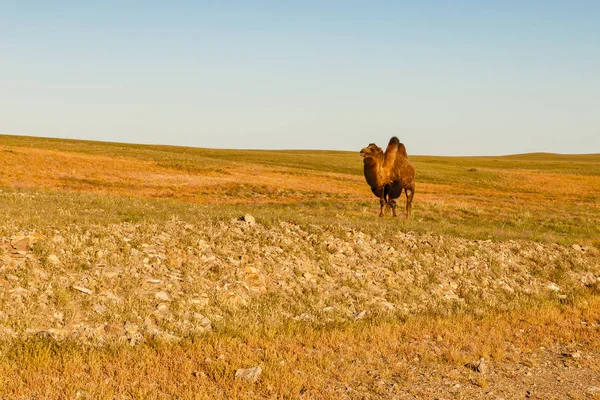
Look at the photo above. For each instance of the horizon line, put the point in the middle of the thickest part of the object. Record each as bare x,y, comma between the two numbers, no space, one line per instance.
281,149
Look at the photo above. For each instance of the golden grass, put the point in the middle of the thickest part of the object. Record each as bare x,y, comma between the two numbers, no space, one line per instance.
34,168
47,183
541,197
356,360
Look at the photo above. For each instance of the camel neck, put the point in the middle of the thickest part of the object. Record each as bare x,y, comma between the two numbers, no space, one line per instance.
374,172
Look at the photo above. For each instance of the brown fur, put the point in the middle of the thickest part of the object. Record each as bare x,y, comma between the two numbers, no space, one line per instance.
389,173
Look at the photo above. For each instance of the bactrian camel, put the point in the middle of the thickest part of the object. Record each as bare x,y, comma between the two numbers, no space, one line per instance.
389,173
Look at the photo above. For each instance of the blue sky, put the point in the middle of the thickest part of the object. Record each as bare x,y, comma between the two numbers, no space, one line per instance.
446,77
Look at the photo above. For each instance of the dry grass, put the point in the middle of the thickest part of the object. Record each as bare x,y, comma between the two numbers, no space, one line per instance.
119,198
356,360
539,197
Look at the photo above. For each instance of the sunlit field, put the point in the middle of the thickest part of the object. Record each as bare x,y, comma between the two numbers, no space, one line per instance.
133,271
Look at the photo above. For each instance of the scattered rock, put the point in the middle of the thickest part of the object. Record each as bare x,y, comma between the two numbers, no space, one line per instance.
482,366
21,243
360,315
163,312
478,366
249,219
164,296
217,267
552,286
594,390
132,333
201,301
198,374
249,374
99,308
304,317
203,322
575,354
83,289
53,259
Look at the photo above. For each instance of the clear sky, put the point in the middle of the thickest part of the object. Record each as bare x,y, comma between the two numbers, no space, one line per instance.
447,77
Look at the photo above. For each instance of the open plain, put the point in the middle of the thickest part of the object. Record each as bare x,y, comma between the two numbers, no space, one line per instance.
135,272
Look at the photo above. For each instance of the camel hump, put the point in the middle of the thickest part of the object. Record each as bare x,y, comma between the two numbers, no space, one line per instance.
395,144
402,150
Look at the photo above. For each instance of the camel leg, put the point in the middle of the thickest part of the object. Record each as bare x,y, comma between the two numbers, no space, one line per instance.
393,205
410,192
383,200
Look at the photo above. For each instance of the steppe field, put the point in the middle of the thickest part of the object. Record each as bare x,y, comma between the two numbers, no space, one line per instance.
157,272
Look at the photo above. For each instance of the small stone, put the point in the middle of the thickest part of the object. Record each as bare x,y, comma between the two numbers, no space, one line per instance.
19,292
163,312
481,367
164,296
203,321
249,219
40,274
21,244
576,247
200,301
99,308
304,317
83,289
53,259
360,315
593,390
249,374
478,366
552,286
576,354
130,329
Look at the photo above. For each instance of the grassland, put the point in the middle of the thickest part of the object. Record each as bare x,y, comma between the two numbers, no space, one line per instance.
501,260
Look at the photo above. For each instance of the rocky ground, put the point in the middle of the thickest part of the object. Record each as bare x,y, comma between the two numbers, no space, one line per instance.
135,284
144,278
129,282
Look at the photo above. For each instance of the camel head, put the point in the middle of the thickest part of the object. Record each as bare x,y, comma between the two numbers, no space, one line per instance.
371,151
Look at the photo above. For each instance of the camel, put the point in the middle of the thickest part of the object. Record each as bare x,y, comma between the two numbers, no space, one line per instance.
388,174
